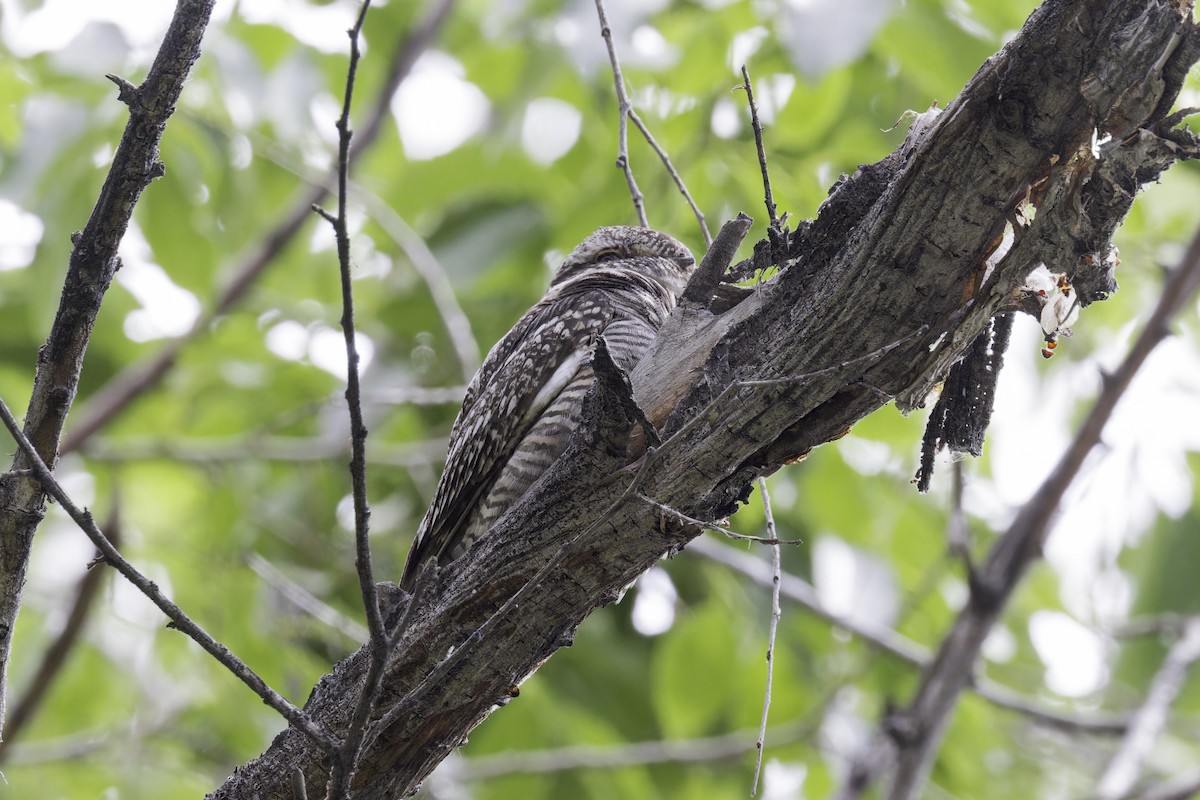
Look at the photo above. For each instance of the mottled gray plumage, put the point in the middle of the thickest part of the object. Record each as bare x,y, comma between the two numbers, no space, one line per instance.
524,402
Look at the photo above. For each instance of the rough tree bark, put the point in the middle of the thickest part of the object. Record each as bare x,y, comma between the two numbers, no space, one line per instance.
881,294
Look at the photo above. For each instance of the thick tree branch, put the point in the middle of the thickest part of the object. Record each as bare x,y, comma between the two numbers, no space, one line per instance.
879,296
90,271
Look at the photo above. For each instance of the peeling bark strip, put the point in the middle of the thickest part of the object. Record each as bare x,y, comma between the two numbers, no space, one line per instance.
883,292
93,263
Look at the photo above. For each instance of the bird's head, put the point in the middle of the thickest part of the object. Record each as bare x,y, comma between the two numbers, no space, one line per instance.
649,252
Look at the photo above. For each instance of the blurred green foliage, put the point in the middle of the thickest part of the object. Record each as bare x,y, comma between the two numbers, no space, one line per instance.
194,470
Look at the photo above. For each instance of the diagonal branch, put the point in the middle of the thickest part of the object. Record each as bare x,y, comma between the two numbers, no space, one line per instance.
343,765
627,114
623,109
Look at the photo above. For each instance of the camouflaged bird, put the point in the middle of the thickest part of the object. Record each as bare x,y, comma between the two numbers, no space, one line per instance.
521,407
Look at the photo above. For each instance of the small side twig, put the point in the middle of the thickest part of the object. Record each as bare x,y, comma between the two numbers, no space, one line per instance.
758,142
179,620
776,613
623,109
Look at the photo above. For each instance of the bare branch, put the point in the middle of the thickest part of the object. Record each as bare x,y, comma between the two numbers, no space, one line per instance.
768,198
627,112
343,765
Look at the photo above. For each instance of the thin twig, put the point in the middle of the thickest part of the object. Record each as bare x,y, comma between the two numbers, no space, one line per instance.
1148,721
358,429
120,391
89,273
343,766
758,142
179,620
674,173
623,109
628,113
776,613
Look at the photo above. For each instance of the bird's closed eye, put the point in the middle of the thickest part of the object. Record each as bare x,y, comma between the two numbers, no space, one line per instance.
611,255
